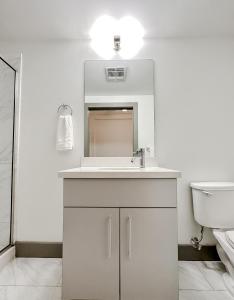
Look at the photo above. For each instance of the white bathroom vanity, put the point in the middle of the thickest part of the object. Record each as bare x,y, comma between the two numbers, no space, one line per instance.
120,234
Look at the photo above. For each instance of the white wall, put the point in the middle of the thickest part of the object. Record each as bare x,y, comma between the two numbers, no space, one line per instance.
194,122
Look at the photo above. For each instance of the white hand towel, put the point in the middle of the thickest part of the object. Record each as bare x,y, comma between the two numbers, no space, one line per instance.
65,138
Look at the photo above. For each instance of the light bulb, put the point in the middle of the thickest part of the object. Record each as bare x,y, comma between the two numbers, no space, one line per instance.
106,28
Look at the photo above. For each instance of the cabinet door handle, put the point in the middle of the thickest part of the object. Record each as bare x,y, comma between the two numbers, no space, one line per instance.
109,229
129,221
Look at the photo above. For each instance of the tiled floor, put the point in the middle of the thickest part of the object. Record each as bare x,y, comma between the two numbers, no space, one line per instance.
31,279
202,281
40,279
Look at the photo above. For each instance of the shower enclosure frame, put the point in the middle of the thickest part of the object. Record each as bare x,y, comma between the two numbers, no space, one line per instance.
11,237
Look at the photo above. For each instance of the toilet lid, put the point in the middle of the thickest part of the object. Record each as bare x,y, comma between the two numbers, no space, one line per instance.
230,237
213,186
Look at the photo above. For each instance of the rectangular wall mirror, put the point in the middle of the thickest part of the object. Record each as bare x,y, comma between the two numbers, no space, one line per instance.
119,107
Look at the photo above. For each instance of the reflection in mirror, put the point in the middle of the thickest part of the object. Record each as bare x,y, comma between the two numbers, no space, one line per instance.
112,129
119,107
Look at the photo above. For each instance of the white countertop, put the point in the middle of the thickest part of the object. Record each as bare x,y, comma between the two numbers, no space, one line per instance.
119,172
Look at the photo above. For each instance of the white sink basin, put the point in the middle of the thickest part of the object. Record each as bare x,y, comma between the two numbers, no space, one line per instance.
119,172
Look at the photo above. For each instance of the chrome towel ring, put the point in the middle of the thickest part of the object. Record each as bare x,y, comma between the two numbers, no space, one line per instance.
64,108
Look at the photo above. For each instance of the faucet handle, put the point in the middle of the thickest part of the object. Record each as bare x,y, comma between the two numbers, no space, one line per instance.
141,154
140,150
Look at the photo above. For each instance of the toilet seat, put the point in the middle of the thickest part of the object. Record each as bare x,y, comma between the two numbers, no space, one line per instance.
230,237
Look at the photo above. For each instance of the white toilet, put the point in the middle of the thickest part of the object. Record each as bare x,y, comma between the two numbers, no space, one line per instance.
213,204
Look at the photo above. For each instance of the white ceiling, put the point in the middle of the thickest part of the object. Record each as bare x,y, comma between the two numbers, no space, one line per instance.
72,19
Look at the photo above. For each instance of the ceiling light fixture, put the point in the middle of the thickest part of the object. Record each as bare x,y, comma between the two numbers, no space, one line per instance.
116,42
110,36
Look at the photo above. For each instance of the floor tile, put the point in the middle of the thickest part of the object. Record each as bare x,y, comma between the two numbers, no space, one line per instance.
205,295
191,278
32,272
30,293
229,283
213,272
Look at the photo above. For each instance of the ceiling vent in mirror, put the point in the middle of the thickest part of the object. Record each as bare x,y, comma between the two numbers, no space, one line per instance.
116,73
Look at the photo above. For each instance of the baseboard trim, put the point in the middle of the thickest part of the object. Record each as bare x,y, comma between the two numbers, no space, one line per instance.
54,250
37,249
207,253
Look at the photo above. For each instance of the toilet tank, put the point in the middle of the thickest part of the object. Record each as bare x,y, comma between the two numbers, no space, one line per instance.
213,204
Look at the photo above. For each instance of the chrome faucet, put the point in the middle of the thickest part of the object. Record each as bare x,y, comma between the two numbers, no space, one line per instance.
140,153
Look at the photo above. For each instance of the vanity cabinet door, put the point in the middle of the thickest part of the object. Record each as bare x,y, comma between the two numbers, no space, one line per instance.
91,253
148,239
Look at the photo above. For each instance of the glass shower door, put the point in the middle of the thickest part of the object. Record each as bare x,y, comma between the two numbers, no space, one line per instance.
7,107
